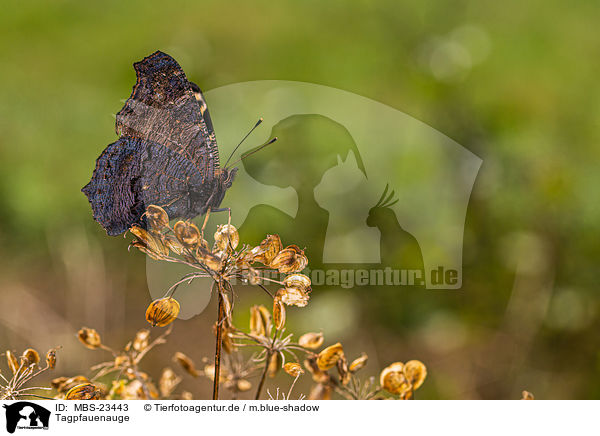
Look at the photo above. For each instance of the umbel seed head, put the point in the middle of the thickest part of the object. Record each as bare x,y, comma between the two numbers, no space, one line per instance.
162,312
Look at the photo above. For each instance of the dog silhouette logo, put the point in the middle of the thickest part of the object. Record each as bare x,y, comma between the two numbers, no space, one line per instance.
26,415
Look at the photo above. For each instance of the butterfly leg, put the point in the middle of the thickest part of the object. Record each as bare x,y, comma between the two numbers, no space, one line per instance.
205,222
223,209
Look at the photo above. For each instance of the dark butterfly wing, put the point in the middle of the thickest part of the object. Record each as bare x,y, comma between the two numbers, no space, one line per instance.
163,109
112,191
167,145
212,142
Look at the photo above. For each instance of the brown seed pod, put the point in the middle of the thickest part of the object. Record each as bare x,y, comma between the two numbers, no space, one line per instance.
293,296
415,372
358,363
278,313
209,372
392,379
299,281
213,261
157,218
328,358
289,260
274,365
257,322
527,396
186,363
30,357
89,337
267,250
243,385
173,244
150,244
226,237
140,342
318,376
63,384
85,391
13,362
168,382
294,369
51,358
342,367
311,340
162,312
187,233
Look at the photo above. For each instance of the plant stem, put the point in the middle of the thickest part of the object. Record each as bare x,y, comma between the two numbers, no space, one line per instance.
263,376
218,345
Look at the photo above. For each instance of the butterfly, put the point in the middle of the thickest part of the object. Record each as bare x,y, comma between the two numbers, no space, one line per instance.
166,154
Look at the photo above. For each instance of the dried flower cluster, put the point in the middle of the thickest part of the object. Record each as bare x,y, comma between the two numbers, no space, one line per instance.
131,383
23,369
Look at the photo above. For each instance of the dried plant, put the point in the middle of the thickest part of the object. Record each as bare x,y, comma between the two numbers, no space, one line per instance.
130,383
24,369
184,243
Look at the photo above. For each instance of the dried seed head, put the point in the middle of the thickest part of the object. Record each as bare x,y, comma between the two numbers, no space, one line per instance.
173,244
140,342
187,233
30,357
228,344
243,385
359,363
121,360
318,376
289,260
168,382
274,365
157,218
57,382
278,313
209,372
51,358
186,363
260,321
294,369
226,237
144,249
527,396
150,244
342,367
311,340
267,250
89,337
13,362
327,358
392,379
415,372
299,281
63,384
85,391
257,325
293,296
213,261
162,312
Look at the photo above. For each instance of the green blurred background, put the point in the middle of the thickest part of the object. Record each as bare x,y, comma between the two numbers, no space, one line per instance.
514,82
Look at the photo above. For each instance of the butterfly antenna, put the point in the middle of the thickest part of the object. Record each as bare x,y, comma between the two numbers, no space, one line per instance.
251,152
243,139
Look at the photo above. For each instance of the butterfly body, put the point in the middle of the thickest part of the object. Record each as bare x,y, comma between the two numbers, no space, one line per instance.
166,155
